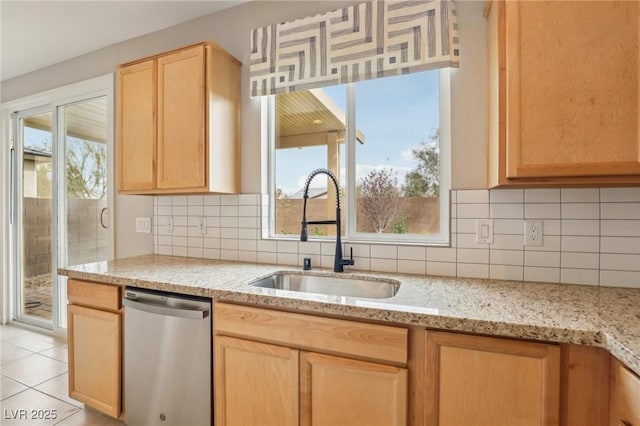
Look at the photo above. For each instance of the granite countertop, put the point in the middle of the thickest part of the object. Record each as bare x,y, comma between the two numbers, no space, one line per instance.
598,316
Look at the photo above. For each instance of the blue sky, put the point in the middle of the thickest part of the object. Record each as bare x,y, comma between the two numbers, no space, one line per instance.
394,113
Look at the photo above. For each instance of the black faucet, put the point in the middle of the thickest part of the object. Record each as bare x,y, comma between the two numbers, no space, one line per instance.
338,262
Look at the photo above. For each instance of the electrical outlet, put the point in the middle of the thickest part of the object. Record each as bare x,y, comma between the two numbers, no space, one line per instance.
143,225
533,233
484,231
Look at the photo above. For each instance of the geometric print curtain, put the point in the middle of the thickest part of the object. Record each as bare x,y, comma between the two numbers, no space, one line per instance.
369,40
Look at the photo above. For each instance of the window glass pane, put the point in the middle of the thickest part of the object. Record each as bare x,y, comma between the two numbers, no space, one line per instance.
397,155
310,134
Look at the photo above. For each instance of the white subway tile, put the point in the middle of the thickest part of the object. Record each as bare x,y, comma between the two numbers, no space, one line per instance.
247,234
472,270
551,227
472,196
443,269
164,200
248,199
180,210
412,253
547,259
327,249
620,279
361,264
164,240
508,242
441,254
193,221
165,211
181,221
359,250
620,228
326,261
544,275
195,252
179,251
211,210
211,253
229,200
384,265
228,244
193,231
549,243
247,256
229,255
247,245
384,251
506,272
509,226
309,247
229,211
506,257
579,276
506,211
195,200
165,250
453,211
580,260
542,211
620,262
211,243
213,232
267,257
267,245
412,266
248,211
179,231
580,211
473,256
469,241
620,211
465,226
628,245
249,222
453,195
229,233
211,200
195,242
180,200
287,247
580,244
506,196
578,227
473,211
608,195
537,195
580,195
229,222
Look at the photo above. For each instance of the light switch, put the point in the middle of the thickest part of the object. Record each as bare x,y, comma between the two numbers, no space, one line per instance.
484,231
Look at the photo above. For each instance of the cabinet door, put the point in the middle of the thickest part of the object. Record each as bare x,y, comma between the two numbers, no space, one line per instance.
136,126
95,358
181,119
572,92
624,406
340,391
255,383
474,380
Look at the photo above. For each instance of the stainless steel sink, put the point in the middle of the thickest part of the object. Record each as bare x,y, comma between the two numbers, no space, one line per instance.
322,284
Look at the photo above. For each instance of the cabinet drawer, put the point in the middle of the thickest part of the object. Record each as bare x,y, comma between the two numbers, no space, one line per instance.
309,332
96,295
625,396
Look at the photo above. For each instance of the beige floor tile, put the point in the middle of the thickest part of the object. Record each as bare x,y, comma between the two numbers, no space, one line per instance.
33,369
61,353
30,407
9,352
89,417
8,331
9,387
35,341
58,387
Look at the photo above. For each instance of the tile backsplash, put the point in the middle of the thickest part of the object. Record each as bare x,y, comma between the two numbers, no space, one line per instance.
590,236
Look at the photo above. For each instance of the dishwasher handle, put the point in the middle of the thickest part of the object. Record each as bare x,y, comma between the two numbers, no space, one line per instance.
166,310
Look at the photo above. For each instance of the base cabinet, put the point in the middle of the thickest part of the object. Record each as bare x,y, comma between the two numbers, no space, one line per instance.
95,346
624,402
475,380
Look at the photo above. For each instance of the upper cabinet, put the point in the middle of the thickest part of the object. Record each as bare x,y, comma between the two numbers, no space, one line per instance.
564,94
178,122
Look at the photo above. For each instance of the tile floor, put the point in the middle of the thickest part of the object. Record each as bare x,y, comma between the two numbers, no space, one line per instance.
34,381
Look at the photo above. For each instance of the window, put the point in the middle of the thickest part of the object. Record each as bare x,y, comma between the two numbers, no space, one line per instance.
386,140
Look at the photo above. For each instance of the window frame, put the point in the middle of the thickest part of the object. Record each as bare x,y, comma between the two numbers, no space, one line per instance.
443,238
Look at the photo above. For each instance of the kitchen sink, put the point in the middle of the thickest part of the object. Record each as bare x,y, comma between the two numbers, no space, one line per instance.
335,286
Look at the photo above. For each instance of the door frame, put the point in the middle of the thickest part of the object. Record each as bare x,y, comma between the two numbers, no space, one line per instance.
92,88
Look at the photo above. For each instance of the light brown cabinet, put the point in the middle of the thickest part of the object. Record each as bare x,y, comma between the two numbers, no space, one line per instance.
94,330
564,92
476,380
177,117
307,370
624,402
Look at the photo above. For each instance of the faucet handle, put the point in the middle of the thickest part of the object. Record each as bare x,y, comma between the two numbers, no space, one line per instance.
351,253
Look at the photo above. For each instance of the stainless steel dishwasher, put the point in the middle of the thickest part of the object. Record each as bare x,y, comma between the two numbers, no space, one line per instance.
167,359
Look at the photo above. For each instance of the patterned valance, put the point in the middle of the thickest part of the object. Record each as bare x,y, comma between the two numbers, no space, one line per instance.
361,42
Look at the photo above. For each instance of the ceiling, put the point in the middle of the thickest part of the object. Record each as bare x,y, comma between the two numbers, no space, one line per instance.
36,34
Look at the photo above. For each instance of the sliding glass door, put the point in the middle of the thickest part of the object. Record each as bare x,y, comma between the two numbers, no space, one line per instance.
60,195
